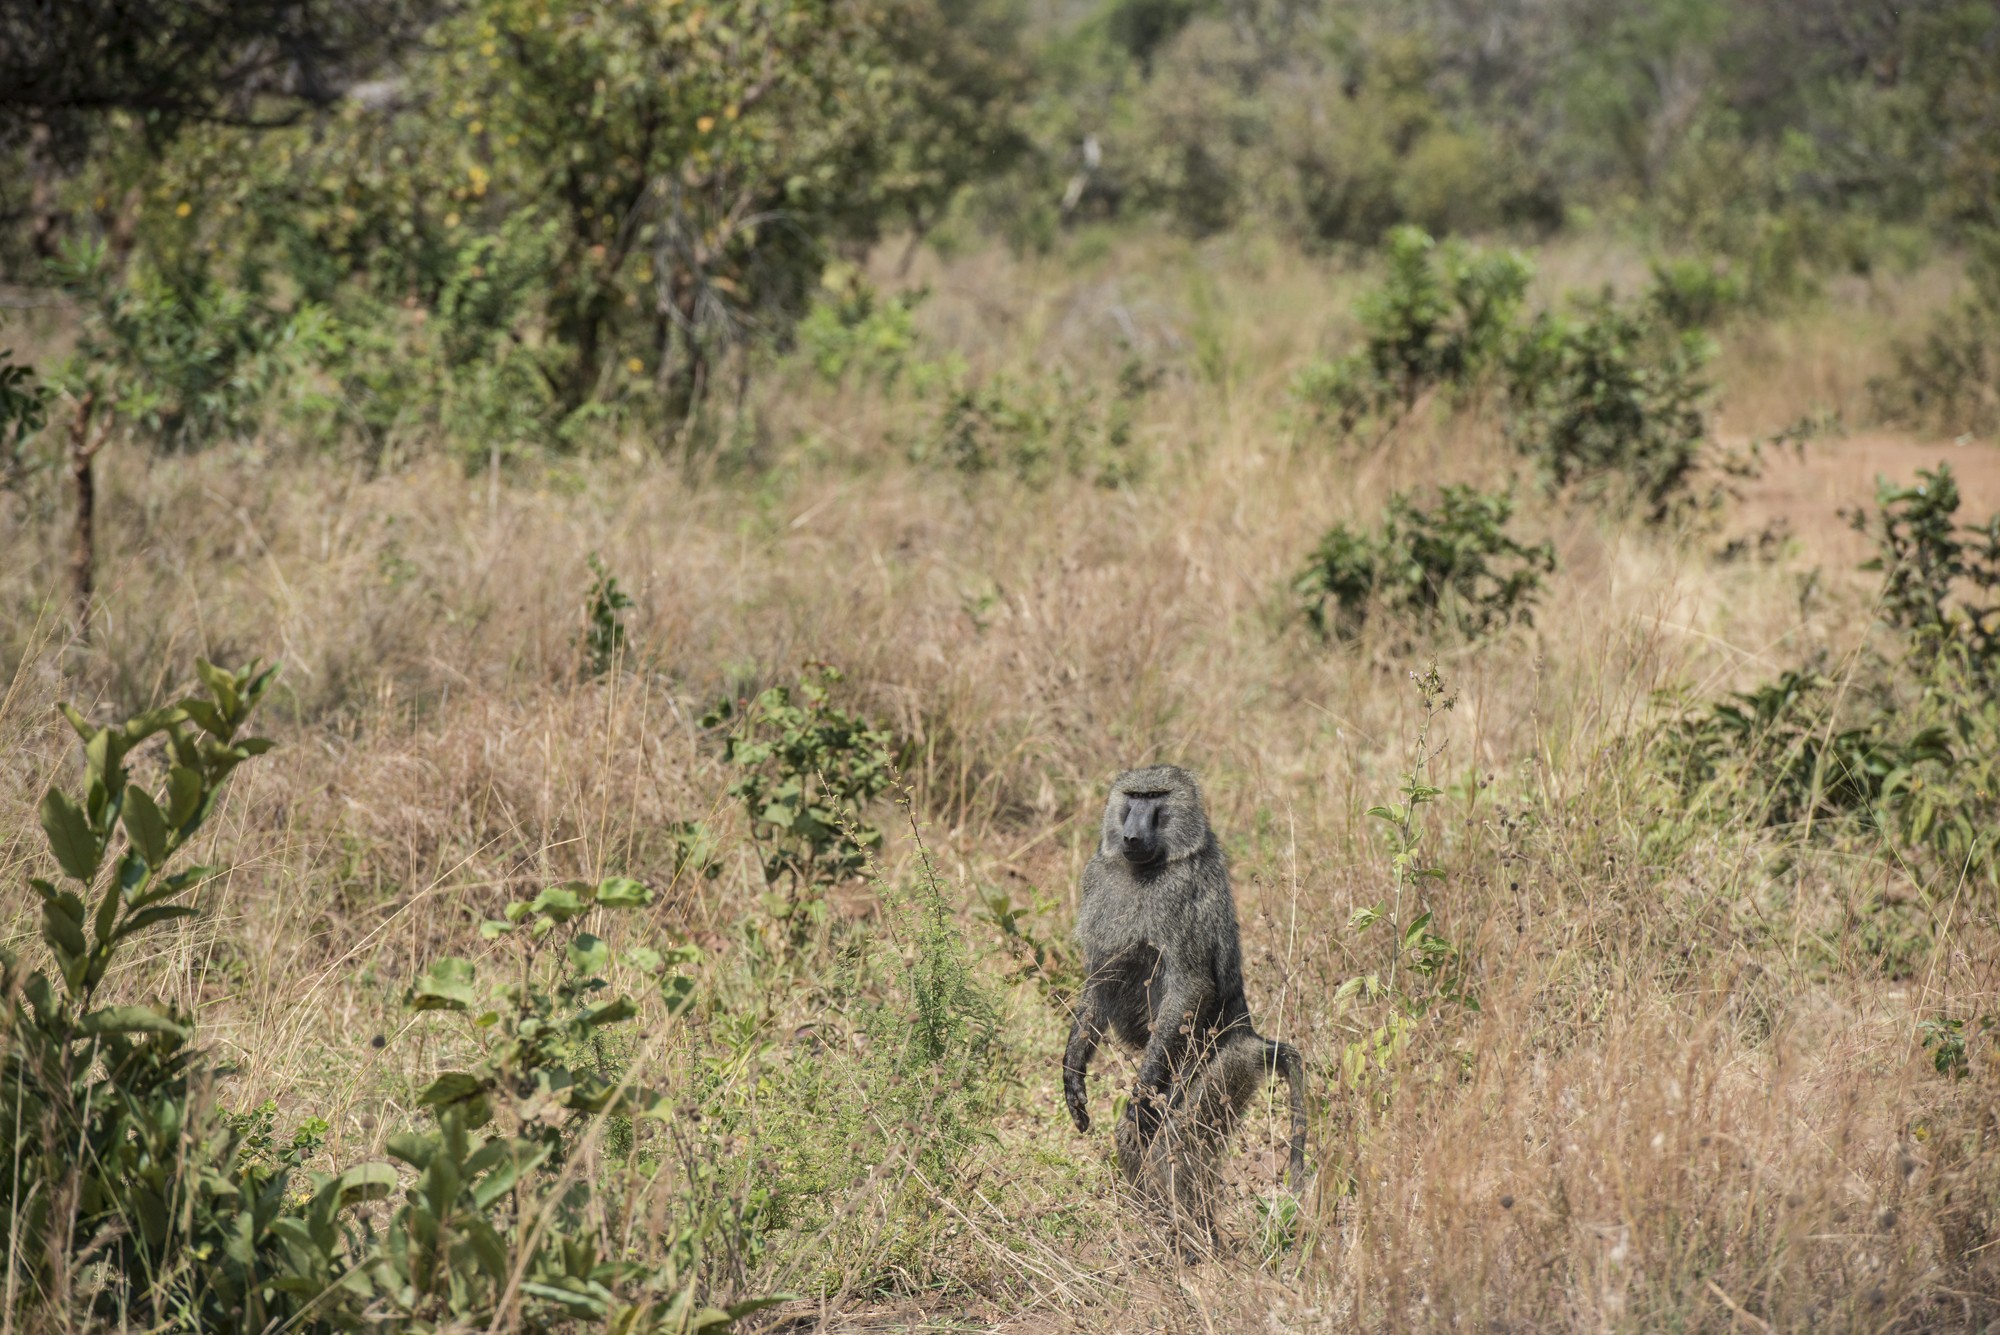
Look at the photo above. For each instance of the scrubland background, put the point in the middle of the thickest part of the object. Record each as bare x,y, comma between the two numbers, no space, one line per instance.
1017,365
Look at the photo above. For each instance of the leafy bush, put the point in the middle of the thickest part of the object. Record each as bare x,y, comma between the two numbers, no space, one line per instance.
853,333
469,1236
1949,379
1454,565
902,1118
130,1195
135,1197
807,770
1911,747
23,411
1939,578
1611,399
1778,749
1397,1007
1444,316
179,356
1692,294
1038,431
604,607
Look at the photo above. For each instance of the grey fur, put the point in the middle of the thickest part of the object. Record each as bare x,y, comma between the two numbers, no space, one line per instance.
1159,937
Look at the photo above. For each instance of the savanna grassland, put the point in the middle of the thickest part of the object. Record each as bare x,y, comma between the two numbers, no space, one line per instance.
1690,1039
573,576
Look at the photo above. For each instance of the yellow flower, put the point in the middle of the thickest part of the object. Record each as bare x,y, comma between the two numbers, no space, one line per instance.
704,124
451,220
183,209
634,365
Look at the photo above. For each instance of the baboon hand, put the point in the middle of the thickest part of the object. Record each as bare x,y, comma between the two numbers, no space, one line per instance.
1079,1111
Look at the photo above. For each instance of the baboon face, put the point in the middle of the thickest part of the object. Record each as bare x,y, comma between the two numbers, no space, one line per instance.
1153,814
1141,835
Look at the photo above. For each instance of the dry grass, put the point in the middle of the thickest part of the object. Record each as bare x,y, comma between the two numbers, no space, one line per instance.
1693,1099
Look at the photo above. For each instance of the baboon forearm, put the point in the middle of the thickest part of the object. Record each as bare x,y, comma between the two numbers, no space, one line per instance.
1083,1039
1166,1053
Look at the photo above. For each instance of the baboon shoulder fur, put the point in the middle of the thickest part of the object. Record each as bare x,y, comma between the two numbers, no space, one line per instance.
1164,975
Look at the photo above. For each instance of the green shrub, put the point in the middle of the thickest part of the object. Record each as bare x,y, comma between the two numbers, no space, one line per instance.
1454,565
1613,400
1692,294
1444,316
1910,748
1778,750
1949,379
852,333
1038,431
806,772
1939,578
488,1218
604,608
888,1100
130,1196
24,410
1411,981
135,1198
179,356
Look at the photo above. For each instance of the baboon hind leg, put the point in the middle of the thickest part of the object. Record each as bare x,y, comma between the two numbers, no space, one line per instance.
1173,1171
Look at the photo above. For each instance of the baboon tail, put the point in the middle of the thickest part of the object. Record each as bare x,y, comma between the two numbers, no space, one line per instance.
1285,1058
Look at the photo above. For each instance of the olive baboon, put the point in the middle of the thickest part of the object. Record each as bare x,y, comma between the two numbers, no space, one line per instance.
1164,972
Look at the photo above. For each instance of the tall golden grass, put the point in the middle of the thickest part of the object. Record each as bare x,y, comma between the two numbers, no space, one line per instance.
1692,1098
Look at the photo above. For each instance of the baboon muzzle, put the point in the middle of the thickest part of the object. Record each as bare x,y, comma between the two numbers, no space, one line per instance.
1140,837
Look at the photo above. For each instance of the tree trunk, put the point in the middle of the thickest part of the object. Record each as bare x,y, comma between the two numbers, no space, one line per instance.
82,558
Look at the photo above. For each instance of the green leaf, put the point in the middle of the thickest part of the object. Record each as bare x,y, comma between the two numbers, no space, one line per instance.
1365,917
451,1087
1415,931
187,879
522,1158
493,928
76,719
107,907
488,1248
183,795
611,1012
582,1305
560,903
645,959
677,990
221,685
622,892
363,1182
588,954
138,729
145,918
131,1020
145,825
71,839
210,719
63,932
737,1311
411,1147
104,756
448,985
